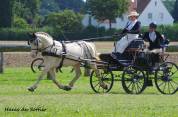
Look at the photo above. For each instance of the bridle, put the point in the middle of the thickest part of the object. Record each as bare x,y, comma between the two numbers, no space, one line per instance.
36,43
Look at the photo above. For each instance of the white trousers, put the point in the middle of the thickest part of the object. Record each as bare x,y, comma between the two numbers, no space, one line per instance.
123,43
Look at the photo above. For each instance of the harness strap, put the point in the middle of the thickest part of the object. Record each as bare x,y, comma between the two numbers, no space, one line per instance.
63,56
50,54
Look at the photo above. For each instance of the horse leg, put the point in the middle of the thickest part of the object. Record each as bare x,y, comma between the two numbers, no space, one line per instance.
53,78
34,86
77,75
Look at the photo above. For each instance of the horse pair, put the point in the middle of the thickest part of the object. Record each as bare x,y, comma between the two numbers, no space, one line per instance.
65,54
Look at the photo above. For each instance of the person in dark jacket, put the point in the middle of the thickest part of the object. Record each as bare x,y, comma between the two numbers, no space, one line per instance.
153,37
155,40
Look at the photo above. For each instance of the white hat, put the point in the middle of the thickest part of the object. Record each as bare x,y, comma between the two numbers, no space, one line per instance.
133,13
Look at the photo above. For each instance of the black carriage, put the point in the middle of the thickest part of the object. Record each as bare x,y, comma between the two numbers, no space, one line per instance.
138,69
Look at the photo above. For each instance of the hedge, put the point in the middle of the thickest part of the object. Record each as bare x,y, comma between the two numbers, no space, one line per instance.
172,48
17,34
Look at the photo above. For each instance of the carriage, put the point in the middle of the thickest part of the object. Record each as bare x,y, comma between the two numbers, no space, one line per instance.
135,68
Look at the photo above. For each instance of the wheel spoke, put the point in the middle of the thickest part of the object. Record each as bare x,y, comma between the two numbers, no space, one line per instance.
164,87
128,80
140,82
173,73
161,84
130,84
169,88
107,82
138,86
95,80
175,82
133,87
96,85
172,86
99,88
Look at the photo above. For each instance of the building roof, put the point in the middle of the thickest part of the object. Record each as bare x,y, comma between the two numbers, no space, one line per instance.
141,5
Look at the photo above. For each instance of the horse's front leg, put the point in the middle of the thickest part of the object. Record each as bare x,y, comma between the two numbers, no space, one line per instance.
53,78
34,86
77,75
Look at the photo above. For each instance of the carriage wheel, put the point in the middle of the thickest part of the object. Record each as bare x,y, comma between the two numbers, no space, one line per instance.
106,77
37,65
166,78
133,80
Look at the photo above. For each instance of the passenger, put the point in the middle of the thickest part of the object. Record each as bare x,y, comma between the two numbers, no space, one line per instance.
153,37
130,32
155,40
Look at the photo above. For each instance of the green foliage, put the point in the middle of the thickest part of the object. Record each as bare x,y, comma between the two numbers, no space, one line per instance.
48,7
26,9
18,34
107,9
170,32
66,21
169,5
75,5
6,13
175,11
20,23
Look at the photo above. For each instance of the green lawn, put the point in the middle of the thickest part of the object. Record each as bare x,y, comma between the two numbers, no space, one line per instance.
81,101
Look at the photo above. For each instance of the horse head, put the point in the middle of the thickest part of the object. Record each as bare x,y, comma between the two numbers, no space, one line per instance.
39,42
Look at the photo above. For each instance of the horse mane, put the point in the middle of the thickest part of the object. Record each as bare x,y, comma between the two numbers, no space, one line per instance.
43,34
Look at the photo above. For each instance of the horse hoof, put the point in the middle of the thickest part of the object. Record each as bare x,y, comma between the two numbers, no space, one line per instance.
67,88
31,89
104,87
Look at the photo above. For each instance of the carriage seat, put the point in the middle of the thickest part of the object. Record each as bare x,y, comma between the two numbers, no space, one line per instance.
135,45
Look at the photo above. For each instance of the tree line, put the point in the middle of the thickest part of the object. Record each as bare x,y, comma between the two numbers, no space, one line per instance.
62,16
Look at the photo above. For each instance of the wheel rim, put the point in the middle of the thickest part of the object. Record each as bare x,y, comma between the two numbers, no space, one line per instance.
133,80
166,78
37,65
106,77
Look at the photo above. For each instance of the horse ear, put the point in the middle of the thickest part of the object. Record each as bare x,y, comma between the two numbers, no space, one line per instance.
32,35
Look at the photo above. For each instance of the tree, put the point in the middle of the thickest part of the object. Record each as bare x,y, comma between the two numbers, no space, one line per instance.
75,5
26,9
20,23
6,13
175,11
107,9
48,7
66,21
169,4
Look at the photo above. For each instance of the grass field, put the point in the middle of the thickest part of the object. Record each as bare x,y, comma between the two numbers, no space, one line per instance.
80,102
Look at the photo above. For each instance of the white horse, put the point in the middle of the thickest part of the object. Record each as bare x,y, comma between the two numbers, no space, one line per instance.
54,51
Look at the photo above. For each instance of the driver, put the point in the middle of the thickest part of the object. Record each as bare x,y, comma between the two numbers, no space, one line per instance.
131,32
